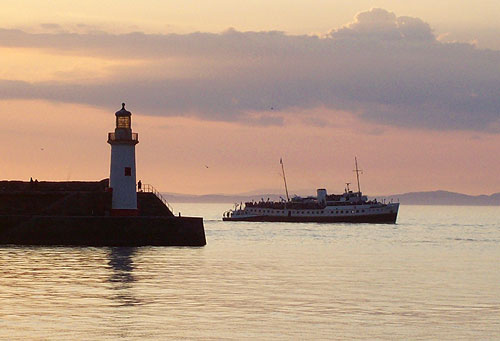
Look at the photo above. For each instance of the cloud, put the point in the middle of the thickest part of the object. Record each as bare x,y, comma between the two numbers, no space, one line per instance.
51,26
381,67
379,24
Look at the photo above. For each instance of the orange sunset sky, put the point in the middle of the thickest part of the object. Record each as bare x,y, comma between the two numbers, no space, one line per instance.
220,90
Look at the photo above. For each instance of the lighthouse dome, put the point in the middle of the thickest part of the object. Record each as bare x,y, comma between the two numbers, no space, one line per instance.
123,119
123,111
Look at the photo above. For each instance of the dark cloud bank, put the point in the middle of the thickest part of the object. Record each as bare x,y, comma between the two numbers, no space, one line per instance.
384,68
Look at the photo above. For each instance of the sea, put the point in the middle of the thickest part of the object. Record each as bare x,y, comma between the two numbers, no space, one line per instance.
435,275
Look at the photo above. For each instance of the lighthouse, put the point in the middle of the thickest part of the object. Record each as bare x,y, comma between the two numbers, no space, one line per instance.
122,178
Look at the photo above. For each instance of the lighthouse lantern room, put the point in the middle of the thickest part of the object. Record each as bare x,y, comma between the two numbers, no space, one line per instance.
122,178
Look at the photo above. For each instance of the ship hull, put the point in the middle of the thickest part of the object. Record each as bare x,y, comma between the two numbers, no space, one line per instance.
385,218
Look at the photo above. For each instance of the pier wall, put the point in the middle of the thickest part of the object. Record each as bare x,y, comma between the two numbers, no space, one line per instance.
101,231
78,213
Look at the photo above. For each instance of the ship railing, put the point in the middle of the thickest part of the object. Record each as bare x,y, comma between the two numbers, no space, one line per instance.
150,189
238,207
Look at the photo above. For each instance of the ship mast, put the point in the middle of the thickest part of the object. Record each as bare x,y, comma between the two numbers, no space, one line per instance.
284,179
357,174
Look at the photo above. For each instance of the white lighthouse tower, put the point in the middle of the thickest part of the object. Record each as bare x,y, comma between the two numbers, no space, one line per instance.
122,178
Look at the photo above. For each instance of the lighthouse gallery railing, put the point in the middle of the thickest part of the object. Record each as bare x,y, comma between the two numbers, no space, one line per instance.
114,137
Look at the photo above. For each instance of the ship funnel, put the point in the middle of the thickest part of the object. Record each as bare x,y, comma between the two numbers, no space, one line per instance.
321,195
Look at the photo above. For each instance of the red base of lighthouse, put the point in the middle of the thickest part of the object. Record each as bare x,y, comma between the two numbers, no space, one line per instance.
124,213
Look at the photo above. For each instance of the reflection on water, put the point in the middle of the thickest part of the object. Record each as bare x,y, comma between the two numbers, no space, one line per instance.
122,277
434,275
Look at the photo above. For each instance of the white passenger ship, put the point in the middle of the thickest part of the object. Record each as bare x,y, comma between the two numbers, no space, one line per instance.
349,207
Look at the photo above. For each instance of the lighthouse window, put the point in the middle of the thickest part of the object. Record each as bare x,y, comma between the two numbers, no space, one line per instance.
128,171
123,122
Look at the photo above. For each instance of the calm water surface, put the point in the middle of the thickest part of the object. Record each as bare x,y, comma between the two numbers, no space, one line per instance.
434,275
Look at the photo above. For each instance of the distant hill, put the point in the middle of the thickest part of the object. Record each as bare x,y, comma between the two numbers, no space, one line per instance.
445,198
413,198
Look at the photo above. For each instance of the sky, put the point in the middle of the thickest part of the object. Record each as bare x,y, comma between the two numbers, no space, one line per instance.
219,91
